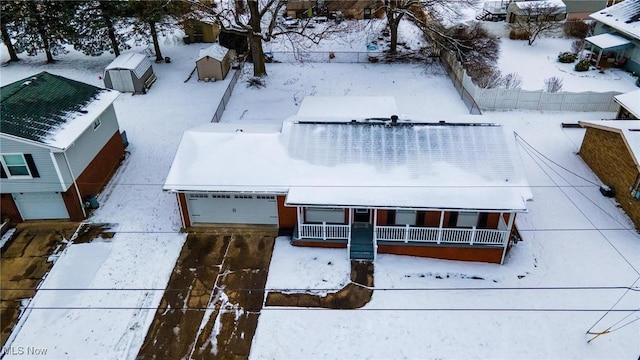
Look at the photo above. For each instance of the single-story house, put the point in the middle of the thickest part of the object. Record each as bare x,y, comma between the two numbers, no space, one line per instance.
131,72
368,184
524,10
629,105
611,148
60,143
214,62
621,22
200,31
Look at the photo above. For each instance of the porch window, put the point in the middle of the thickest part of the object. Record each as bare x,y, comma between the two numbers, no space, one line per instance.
328,215
467,219
405,217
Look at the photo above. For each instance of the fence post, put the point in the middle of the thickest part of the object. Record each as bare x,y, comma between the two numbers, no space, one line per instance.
324,230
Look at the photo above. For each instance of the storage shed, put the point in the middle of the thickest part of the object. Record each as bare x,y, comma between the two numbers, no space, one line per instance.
214,62
130,72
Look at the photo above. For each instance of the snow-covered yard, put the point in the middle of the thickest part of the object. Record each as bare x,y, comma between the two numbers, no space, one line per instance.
573,237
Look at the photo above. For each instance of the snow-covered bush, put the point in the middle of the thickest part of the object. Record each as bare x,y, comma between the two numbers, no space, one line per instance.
582,65
567,57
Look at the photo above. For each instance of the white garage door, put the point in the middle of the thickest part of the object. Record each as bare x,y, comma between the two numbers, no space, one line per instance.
232,209
41,206
121,80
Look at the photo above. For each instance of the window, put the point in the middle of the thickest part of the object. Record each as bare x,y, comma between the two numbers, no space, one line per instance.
635,190
243,196
220,196
18,166
198,196
96,123
467,219
405,217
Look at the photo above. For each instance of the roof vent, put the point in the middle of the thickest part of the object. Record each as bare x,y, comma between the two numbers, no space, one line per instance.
442,122
394,119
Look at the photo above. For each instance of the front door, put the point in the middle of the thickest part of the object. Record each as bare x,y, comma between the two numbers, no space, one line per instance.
362,215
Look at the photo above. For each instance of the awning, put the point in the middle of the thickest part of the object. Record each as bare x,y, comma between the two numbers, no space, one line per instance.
607,41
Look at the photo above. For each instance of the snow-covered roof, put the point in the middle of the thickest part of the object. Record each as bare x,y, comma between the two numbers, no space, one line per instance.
131,61
413,165
624,17
215,51
630,101
629,129
607,41
51,110
540,4
346,108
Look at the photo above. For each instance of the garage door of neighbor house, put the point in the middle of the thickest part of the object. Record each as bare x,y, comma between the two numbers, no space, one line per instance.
121,80
41,206
233,208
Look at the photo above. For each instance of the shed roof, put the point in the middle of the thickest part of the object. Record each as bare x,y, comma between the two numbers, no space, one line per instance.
630,101
410,164
607,41
624,17
628,129
136,62
215,51
50,109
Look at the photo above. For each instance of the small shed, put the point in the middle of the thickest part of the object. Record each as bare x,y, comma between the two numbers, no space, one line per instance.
214,62
130,72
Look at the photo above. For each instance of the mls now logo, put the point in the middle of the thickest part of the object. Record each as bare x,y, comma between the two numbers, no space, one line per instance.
24,350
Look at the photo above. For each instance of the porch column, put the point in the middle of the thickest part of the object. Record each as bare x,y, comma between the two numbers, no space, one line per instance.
512,217
440,226
375,233
299,220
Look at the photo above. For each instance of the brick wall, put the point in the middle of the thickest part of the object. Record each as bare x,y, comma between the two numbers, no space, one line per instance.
608,156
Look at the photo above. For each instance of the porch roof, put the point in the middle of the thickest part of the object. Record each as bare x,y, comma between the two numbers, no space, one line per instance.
367,163
630,101
607,41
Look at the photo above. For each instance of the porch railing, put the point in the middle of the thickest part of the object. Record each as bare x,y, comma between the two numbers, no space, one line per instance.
324,231
440,236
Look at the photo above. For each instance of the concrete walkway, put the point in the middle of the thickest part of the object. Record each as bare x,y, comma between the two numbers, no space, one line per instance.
354,295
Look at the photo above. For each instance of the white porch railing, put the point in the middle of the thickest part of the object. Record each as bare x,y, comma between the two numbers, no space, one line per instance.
324,231
441,236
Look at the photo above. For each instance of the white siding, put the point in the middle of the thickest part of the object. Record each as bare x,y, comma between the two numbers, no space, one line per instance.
48,180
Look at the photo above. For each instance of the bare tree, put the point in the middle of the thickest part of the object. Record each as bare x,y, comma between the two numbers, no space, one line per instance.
553,84
429,15
538,18
260,24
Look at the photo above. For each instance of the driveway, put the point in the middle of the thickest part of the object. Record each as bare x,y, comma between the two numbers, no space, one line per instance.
26,259
217,286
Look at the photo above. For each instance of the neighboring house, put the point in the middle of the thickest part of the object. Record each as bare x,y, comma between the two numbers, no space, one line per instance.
622,22
629,105
131,72
59,144
611,148
214,62
368,184
519,11
350,9
200,31
581,9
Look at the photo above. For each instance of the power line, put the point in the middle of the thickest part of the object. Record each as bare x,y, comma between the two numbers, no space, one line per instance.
544,288
278,308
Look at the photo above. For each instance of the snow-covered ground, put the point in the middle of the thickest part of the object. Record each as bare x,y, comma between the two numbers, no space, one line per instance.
562,247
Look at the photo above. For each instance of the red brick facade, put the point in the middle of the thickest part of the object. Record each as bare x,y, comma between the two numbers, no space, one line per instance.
608,156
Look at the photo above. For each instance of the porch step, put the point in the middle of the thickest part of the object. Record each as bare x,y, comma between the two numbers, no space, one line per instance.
361,255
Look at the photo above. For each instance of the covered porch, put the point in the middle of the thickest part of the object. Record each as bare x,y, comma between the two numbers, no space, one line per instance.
363,230
607,50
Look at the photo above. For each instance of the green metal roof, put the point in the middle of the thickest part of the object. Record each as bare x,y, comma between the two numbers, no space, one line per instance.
36,107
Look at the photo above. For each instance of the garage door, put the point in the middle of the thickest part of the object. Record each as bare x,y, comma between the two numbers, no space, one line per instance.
232,209
41,206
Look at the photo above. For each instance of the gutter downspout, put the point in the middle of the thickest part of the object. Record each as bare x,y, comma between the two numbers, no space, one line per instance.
75,185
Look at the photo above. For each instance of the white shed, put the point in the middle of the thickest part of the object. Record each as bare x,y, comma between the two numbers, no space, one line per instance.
130,72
